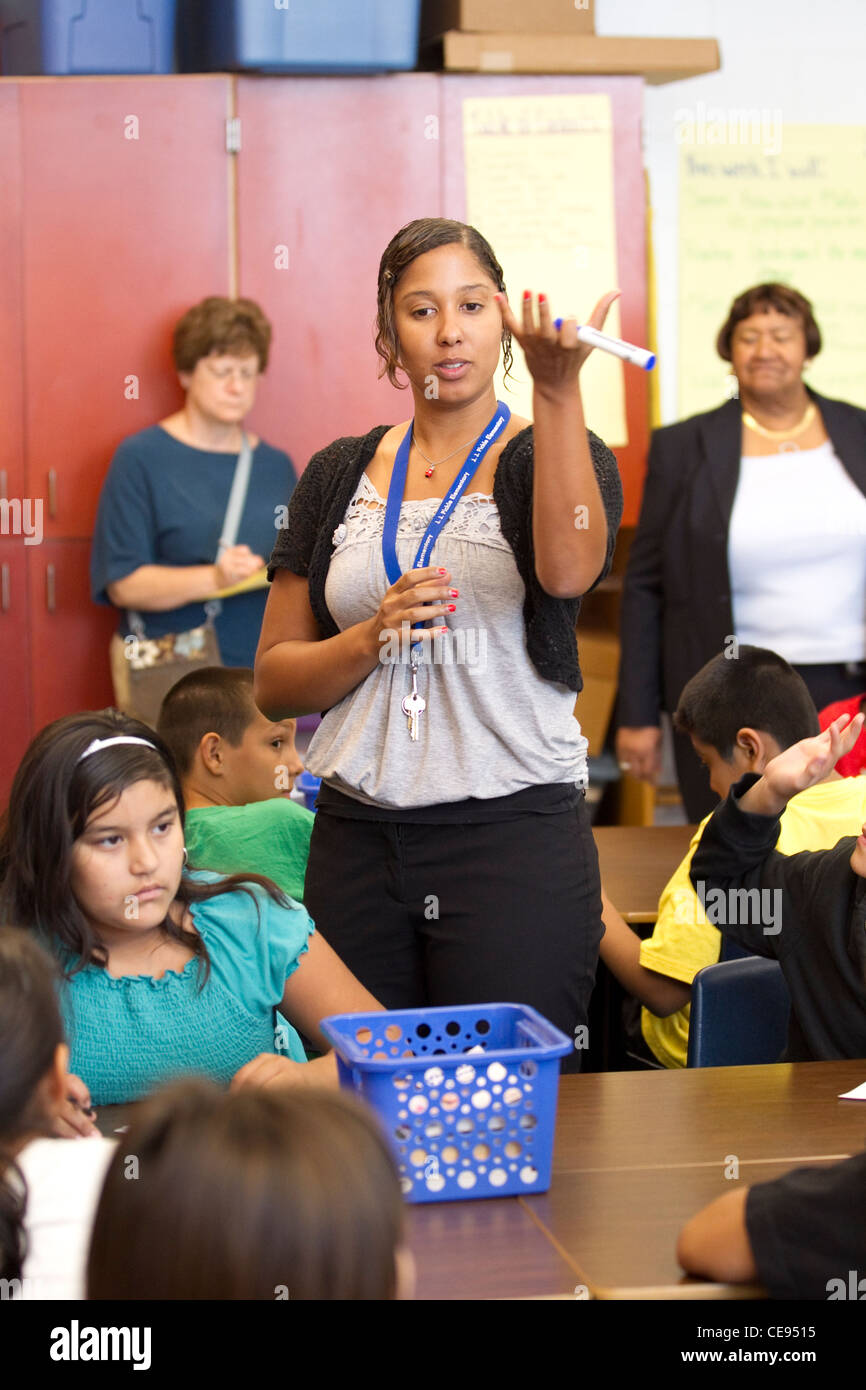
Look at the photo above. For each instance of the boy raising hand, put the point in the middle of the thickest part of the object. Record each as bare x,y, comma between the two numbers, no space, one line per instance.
814,921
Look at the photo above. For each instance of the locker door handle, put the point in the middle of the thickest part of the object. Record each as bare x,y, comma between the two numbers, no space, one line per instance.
4,589
52,493
50,589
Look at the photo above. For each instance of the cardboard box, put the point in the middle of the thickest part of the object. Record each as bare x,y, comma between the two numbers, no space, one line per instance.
515,16
658,60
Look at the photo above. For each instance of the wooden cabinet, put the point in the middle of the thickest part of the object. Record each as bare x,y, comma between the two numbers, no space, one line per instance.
12,471
69,635
16,713
124,224
329,169
114,219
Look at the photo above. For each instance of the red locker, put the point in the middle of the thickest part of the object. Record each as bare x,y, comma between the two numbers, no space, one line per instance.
329,169
125,225
69,635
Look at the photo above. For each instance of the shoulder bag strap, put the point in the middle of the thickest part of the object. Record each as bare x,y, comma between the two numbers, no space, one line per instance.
229,529
234,511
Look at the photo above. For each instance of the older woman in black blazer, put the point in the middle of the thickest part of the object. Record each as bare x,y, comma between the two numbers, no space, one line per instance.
752,529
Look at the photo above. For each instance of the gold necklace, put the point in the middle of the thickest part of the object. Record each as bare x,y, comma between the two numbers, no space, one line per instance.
802,424
428,472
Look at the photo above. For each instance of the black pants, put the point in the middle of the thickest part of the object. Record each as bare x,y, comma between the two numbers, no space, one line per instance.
505,911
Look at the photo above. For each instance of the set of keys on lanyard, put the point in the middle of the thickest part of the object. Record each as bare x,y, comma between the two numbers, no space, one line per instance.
413,705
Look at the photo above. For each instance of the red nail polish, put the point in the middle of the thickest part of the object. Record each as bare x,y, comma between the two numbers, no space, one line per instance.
441,571
527,294
452,608
542,299
453,593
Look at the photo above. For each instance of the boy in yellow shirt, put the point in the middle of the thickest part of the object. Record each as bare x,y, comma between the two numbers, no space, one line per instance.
739,713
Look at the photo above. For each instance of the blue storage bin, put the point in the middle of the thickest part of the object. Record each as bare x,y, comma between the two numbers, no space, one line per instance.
62,37
460,1123
311,36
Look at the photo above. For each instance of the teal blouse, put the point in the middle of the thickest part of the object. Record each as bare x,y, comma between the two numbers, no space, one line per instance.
129,1035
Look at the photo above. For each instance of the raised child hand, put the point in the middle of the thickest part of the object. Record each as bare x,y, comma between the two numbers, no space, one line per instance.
810,760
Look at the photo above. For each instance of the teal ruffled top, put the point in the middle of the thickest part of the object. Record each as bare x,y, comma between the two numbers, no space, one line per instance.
128,1035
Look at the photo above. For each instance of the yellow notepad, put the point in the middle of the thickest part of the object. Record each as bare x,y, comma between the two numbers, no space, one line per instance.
254,581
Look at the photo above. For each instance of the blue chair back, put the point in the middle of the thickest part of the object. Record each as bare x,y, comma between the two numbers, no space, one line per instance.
739,1014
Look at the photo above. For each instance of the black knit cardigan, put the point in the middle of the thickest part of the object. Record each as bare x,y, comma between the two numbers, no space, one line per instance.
328,483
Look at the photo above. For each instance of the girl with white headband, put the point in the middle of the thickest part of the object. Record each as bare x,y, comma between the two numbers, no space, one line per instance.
166,971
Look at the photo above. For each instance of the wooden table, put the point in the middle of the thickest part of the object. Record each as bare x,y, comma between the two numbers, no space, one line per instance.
637,1153
636,863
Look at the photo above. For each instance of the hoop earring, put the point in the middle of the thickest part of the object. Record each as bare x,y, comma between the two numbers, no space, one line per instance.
185,856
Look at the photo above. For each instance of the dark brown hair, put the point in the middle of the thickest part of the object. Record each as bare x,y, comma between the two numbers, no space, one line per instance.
235,326
53,796
754,688
30,1033
249,1194
216,699
770,296
412,241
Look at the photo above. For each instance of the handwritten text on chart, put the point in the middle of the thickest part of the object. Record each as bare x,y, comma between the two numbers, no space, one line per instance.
797,216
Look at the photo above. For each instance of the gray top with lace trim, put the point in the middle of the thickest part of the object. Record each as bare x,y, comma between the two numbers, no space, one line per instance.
492,725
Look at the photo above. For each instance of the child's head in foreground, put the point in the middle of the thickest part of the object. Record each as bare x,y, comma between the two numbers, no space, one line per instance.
33,1057
225,750
250,1194
742,710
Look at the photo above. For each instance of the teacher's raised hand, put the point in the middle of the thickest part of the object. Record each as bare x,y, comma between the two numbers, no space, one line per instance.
553,355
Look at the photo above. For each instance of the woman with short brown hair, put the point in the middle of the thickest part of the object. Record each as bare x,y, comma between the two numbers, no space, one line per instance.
156,548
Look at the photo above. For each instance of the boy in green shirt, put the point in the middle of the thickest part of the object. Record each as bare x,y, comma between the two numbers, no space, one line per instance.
237,770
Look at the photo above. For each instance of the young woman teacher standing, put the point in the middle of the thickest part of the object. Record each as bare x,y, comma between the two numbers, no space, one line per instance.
425,593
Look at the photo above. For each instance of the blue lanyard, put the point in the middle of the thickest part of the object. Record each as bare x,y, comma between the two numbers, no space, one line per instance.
397,487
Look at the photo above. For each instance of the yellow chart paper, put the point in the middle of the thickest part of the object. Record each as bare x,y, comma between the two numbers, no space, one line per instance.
539,186
796,215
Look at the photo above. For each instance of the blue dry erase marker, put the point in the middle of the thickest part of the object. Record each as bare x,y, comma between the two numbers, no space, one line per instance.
639,357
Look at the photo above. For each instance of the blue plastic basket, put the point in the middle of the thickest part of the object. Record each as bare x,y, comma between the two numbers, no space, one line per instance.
309,786
461,1124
